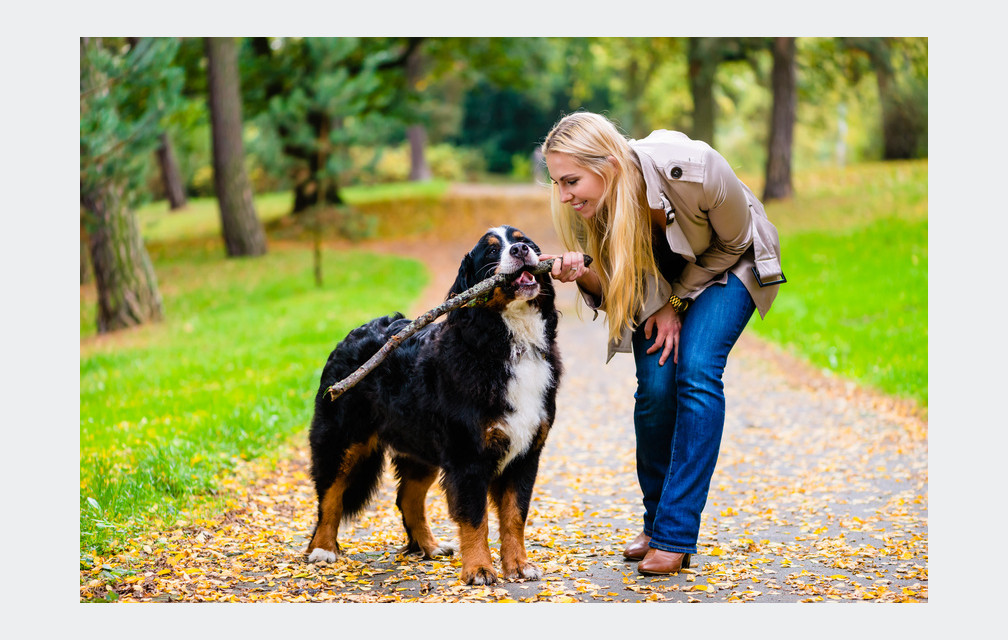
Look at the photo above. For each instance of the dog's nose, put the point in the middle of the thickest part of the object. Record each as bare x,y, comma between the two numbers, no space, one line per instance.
519,250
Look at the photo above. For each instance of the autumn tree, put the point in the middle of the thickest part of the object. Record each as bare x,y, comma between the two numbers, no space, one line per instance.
321,94
704,54
900,67
171,176
243,232
782,120
416,132
125,94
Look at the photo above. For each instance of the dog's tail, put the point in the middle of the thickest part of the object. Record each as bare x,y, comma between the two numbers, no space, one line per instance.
362,483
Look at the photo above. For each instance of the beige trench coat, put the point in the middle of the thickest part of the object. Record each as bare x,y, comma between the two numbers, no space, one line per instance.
713,220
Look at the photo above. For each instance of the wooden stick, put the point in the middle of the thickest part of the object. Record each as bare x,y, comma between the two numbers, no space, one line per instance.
469,297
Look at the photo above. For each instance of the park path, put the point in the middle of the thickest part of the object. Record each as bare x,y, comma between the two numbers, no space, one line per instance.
820,493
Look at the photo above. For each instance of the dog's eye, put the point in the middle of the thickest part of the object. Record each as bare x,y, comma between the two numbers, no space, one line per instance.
494,249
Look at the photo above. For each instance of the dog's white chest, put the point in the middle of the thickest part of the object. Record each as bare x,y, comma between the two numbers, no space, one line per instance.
530,377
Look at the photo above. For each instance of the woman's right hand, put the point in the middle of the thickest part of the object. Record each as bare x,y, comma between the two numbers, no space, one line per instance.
567,267
666,325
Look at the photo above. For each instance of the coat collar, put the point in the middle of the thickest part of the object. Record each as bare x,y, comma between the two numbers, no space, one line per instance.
656,198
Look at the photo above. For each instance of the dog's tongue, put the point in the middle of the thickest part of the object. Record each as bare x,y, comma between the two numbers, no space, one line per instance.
525,278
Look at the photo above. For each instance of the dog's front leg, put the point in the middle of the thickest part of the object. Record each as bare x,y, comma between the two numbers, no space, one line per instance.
512,510
477,565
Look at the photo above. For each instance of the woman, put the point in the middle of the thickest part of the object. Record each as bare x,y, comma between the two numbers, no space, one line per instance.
683,254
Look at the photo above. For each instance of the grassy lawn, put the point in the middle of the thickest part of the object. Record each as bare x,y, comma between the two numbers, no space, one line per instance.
229,375
854,247
201,218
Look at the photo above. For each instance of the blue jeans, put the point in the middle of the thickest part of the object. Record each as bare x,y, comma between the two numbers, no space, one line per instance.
679,414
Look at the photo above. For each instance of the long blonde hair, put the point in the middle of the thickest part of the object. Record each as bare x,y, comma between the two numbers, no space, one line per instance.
618,236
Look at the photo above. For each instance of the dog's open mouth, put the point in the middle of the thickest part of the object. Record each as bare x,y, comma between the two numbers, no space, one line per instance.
526,286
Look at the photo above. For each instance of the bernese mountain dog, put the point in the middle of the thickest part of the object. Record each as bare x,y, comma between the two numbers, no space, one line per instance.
472,397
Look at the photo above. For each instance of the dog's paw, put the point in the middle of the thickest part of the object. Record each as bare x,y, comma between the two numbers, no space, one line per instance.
319,554
526,571
410,549
444,549
478,576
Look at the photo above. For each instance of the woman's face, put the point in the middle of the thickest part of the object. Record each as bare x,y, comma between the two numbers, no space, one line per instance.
579,187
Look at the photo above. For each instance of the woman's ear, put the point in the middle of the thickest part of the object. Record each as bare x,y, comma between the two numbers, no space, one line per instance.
612,161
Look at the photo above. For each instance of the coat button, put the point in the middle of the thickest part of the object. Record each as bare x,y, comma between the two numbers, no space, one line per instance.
676,172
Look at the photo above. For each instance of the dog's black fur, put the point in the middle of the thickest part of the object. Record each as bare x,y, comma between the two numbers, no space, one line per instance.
473,396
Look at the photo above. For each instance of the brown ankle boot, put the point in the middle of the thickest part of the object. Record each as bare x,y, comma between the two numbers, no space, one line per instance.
663,563
638,548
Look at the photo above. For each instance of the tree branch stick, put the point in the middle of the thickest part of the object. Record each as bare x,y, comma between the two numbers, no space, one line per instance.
469,297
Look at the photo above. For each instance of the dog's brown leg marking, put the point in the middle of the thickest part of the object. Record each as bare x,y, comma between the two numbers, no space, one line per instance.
514,561
540,437
411,499
495,438
477,566
328,526
327,531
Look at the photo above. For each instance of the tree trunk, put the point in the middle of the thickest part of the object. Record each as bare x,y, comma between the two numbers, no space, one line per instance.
417,133
901,121
306,187
127,287
242,230
701,78
782,119
85,265
419,169
171,177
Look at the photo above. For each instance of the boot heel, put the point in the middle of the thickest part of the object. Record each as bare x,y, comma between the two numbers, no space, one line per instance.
686,561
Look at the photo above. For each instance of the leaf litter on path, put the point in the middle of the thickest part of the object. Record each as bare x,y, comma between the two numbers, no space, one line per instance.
820,494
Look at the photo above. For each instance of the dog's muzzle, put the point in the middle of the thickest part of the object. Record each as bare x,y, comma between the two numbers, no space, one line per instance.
518,256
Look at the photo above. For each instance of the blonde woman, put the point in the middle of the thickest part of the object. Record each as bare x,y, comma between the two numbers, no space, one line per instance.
684,254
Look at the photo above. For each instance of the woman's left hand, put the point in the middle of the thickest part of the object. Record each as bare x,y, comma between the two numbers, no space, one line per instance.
666,324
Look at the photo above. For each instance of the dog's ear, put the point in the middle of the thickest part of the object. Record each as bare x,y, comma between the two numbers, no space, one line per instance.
466,276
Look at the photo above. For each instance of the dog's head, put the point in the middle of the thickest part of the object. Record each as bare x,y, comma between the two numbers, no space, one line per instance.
503,249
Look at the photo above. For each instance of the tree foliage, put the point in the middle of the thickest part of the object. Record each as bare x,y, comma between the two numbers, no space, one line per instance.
126,91
321,94
126,95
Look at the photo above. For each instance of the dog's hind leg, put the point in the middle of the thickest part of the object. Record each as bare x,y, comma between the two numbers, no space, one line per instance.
355,481
324,546
415,479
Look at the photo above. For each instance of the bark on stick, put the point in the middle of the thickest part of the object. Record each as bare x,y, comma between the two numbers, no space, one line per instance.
470,297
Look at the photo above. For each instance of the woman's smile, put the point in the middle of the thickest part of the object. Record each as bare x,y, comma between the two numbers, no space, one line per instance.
579,187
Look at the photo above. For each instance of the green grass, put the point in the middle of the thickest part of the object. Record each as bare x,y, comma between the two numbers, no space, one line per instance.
854,248
230,375
201,218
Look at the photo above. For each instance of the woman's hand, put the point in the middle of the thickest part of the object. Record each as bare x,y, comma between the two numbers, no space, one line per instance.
666,324
567,267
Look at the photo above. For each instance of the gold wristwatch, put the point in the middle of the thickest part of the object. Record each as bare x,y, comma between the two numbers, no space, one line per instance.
678,304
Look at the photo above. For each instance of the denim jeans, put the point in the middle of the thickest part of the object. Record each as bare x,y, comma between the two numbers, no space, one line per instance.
679,414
